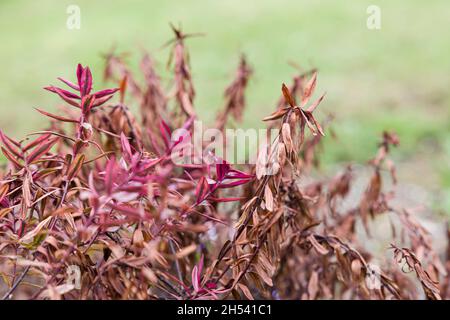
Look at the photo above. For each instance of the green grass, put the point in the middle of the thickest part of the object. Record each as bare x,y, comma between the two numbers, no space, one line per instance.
395,78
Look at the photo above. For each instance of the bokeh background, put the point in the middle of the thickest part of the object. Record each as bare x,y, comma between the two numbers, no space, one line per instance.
396,78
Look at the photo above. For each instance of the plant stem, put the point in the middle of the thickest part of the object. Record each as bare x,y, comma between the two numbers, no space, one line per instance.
177,264
16,284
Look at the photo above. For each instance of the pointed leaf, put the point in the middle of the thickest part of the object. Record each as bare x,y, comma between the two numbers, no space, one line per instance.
70,84
86,82
66,93
63,96
313,106
35,142
202,189
106,92
99,102
233,184
40,150
123,88
309,88
79,74
126,148
277,114
75,166
56,117
12,159
8,145
287,95
109,175
222,169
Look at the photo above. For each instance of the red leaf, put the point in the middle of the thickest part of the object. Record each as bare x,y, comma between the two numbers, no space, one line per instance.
233,184
79,74
106,92
194,277
11,158
165,132
14,142
66,93
86,82
40,150
126,148
87,104
99,102
7,142
202,189
36,142
109,175
75,166
222,169
237,174
50,115
126,210
197,275
70,84
63,96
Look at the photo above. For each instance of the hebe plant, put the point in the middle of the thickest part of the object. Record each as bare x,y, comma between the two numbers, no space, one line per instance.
98,190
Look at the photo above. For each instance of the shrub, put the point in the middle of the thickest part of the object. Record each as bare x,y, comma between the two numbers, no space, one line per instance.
99,190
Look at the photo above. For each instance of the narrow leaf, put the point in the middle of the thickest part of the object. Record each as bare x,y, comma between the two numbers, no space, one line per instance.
106,92
202,189
39,151
8,145
12,159
287,95
70,84
54,116
66,93
75,166
36,142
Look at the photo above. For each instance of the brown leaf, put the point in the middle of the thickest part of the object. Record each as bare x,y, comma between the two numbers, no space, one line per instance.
313,285
246,291
4,188
319,248
277,114
287,96
309,89
31,234
268,198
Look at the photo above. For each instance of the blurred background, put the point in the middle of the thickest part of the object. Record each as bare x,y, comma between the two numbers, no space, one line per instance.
393,78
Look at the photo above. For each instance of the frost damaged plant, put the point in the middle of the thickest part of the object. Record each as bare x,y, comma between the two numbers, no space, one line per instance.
98,190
